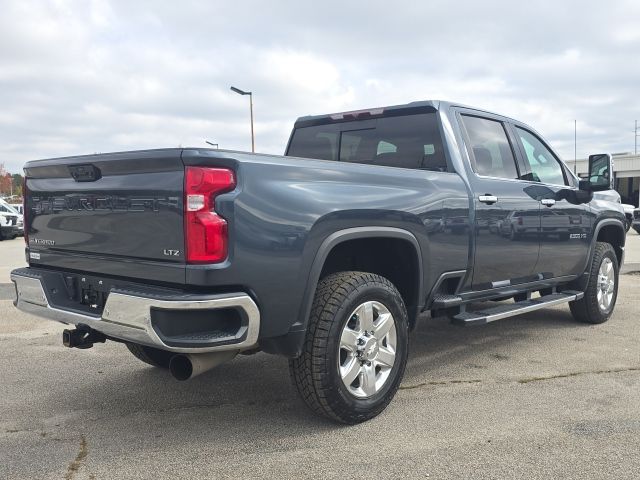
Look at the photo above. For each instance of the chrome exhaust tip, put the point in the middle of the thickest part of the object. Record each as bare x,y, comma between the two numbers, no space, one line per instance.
186,366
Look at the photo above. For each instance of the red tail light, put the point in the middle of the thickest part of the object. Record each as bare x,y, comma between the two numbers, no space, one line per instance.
520,220
206,237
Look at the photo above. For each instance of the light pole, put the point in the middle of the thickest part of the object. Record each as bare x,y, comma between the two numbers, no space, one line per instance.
636,138
242,92
575,147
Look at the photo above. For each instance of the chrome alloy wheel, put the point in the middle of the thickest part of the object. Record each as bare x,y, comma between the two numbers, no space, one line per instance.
367,349
606,284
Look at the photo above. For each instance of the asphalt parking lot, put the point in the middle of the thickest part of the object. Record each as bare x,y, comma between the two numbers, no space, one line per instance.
537,396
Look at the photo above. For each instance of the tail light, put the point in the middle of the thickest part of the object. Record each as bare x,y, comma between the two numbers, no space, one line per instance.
520,221
25,211
206,236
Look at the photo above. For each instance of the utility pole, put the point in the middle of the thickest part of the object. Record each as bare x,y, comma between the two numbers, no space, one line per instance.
636,138
575,147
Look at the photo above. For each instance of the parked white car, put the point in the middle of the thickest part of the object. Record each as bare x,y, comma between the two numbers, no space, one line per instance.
11,221
18,207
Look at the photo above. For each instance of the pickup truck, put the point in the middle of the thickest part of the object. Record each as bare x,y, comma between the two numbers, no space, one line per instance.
329,255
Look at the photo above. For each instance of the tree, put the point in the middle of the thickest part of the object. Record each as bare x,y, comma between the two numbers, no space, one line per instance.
5,181
18,181
10,184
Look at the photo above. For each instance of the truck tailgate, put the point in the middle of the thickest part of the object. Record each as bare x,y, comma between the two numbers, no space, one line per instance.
119,214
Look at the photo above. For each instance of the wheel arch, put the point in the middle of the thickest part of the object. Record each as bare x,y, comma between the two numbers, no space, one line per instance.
611,231
411,290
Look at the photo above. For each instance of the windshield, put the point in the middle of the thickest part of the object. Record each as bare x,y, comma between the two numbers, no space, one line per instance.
408,141
6,208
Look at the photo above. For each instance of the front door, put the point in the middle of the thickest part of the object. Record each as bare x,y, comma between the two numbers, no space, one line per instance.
507,219
565,223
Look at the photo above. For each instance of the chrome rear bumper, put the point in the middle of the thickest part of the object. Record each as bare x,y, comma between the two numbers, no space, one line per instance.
128,317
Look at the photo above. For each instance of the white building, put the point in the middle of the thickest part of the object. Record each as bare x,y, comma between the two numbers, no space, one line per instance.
626,169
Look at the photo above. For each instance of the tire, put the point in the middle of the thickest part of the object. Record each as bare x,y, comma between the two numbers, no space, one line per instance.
637,229
152,356
343,302
513,235
591,309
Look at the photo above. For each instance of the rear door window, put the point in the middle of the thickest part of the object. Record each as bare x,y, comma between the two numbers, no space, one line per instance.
409,141
490,148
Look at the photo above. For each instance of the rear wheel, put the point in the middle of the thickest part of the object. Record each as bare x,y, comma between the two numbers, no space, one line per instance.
355,350
602,290
152,356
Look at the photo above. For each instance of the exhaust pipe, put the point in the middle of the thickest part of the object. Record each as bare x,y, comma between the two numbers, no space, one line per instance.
186,366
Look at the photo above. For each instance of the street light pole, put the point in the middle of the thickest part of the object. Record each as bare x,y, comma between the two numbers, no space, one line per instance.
575,147
636,138
253,138
242,92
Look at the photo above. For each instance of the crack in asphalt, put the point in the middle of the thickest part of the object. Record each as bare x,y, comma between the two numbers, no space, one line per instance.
577,374
522,380
436,382
74,466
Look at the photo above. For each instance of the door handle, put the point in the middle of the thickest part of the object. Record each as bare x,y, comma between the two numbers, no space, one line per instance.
548,202
488,199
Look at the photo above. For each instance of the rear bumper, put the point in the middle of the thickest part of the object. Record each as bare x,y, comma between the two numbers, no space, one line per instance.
154,321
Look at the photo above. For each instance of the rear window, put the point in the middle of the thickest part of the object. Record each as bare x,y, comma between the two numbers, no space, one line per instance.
411,141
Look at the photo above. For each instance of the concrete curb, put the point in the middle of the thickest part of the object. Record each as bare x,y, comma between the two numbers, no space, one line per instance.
630,267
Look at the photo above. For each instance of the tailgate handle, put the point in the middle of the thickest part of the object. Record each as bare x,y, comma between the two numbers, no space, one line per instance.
85,173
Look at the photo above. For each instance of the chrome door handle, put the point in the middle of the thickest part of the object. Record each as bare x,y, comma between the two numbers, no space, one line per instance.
548,202
488,199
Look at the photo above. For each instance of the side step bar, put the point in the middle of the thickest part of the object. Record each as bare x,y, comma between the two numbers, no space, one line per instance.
504,311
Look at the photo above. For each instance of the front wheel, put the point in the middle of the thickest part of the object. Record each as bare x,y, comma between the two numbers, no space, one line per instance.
355,351
602,290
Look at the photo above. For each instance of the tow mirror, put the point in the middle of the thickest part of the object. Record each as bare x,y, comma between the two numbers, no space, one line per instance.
600,173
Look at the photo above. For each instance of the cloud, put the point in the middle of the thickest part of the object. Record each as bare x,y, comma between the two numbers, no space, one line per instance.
82,77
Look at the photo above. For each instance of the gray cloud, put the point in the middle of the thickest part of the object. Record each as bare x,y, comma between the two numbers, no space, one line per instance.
82,77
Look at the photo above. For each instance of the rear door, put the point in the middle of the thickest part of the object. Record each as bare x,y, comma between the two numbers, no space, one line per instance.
117,214
506,218
565,224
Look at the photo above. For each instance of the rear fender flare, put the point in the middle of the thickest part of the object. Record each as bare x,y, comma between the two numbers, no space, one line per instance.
341,236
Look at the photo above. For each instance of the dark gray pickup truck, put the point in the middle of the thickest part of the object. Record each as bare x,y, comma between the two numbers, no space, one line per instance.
327,255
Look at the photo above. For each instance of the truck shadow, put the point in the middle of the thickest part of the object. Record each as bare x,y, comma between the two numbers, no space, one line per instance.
251,397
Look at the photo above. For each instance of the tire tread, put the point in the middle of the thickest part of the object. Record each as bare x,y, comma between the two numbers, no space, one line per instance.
308,371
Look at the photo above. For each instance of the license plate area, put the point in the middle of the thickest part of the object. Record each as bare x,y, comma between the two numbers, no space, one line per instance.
93,294
76,292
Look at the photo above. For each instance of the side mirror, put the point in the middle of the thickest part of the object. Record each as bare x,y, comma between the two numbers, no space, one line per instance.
600,173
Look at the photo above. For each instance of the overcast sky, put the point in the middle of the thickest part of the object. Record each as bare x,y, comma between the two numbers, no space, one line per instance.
95,76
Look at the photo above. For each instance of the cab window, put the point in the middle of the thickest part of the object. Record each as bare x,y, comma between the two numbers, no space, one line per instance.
543,164
490,148
406,141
